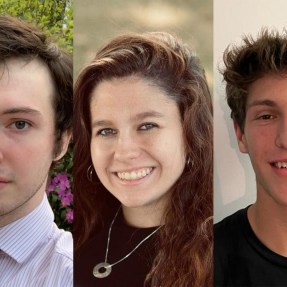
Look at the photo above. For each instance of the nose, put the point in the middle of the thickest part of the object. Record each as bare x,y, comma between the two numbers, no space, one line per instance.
126,148
281,139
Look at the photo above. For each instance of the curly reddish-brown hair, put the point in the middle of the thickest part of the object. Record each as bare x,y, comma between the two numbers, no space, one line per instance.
244,64
184,256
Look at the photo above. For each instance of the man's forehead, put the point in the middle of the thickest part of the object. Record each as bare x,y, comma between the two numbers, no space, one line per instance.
26,62
21,70
25,87
269,90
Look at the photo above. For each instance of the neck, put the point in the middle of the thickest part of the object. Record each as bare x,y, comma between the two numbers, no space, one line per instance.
143,217
268,220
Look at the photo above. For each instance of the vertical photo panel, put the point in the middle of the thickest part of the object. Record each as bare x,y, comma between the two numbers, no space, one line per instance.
143,143
250,148
36,90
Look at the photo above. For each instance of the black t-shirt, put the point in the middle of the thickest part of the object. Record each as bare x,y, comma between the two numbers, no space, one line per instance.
131,272
241,259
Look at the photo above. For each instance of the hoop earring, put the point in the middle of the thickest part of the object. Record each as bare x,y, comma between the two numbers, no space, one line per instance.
90,173
189,162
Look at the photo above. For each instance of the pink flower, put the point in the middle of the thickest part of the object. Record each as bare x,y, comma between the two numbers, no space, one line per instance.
51,187
70,216
67,199
64,184
60,192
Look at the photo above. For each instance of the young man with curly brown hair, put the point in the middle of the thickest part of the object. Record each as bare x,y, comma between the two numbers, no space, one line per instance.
251,244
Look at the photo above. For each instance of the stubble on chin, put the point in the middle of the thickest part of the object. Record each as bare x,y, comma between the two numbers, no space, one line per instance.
15,208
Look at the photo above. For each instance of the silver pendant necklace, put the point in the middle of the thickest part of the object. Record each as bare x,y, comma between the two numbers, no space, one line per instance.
104,269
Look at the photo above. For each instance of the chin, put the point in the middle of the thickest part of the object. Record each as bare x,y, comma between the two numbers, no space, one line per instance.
282,202
133,204
136,202
280,198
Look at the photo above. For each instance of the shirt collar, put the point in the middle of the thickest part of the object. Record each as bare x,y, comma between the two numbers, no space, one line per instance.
19,238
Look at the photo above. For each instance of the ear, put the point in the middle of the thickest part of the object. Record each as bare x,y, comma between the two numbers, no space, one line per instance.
65,140
241,140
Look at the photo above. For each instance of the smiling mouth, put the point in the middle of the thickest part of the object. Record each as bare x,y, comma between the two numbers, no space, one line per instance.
280,164
134,175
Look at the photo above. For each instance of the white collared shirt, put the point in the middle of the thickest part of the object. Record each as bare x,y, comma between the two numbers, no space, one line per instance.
35,252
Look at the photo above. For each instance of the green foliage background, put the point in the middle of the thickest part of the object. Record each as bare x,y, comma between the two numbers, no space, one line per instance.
55,18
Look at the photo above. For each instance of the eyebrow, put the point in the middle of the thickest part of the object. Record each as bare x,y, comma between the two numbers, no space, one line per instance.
268,103
149,114
138,117
101,123
21,110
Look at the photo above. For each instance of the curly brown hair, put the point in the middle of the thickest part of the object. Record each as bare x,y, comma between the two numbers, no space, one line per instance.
247,63
185,256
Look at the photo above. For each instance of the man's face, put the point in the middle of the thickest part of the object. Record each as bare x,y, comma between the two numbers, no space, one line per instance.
265,136
26,136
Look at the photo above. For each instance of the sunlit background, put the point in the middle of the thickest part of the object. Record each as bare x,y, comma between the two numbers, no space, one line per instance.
98,21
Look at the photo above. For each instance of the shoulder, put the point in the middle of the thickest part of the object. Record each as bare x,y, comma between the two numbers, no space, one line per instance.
230,225
229,234
60,271
228,241
64,245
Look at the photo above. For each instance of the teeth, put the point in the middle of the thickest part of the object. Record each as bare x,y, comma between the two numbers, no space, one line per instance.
280,164
134,175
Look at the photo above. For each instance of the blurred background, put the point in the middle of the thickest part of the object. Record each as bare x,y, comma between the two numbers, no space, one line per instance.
97,21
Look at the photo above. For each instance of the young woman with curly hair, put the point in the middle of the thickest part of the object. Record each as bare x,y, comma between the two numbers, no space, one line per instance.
143,166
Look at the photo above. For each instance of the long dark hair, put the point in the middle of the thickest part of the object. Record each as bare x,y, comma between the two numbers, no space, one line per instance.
184,257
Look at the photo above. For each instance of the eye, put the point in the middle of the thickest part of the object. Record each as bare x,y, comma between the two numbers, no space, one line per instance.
20,125
106,132
266,117
147,126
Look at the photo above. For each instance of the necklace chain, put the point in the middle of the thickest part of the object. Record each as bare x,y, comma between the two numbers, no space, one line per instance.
125,257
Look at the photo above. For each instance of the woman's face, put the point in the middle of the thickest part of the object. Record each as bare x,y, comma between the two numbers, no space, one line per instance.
137,144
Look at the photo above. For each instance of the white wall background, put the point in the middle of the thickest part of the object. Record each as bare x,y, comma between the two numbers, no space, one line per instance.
234,180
